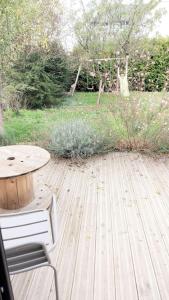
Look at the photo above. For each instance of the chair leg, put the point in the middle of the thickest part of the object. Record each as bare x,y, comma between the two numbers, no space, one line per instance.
56,282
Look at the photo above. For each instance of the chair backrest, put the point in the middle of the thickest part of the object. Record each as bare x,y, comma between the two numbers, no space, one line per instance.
38,226
54,220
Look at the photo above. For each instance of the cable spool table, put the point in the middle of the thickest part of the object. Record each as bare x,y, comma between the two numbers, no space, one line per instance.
17,165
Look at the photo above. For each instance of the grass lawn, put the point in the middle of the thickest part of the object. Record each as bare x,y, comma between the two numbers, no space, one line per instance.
35,126
89,98
31,126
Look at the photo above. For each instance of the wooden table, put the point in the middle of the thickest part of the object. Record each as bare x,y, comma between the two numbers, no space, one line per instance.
17,165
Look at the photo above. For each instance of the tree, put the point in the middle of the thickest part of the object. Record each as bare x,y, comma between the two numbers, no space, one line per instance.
40,79
24,27
1,122
115,25
26,24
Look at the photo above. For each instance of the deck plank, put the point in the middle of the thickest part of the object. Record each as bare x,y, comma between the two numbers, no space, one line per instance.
83,283
104,285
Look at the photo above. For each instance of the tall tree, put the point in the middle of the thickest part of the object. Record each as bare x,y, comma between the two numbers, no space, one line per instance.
116,25
26,24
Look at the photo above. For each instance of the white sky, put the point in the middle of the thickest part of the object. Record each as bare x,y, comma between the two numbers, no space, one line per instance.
164,26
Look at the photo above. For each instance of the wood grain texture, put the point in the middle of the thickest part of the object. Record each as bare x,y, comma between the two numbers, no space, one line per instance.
16,179
17,160
113,242
41,199
16,192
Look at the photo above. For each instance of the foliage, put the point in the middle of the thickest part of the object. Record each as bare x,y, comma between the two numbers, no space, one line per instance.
91,74
6,139
75,139
12,98
145,124
24,25
35,126
142,123
157,77
40,79
115,25
148,69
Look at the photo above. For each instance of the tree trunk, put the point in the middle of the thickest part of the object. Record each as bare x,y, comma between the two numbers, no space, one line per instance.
1,108
76,81
1,121
101,88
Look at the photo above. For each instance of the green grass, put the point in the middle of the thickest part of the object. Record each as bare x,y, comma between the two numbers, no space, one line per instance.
89,98
35,126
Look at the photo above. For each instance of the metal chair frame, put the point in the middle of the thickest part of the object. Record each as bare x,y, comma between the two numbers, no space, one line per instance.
12,253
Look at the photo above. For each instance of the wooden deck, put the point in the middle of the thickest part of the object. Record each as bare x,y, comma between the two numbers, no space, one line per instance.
114,231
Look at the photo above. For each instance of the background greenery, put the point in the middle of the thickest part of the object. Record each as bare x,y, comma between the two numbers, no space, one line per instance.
148,69
40,78
141,123
37,72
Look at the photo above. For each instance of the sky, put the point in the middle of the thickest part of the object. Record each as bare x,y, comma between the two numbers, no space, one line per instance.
164,26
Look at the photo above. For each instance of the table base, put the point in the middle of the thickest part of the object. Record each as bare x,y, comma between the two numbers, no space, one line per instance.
16,192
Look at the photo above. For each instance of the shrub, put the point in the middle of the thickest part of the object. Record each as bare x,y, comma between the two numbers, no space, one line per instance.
5,140
12,98
41,78
76,138
144,123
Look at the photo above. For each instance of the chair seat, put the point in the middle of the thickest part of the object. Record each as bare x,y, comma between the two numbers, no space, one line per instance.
26,256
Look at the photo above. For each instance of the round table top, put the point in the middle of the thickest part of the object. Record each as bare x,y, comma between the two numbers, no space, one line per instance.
18,160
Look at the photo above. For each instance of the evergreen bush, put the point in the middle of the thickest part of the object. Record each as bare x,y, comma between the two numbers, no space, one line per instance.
41,78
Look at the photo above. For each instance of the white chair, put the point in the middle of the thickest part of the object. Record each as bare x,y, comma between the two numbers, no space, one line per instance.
28,238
